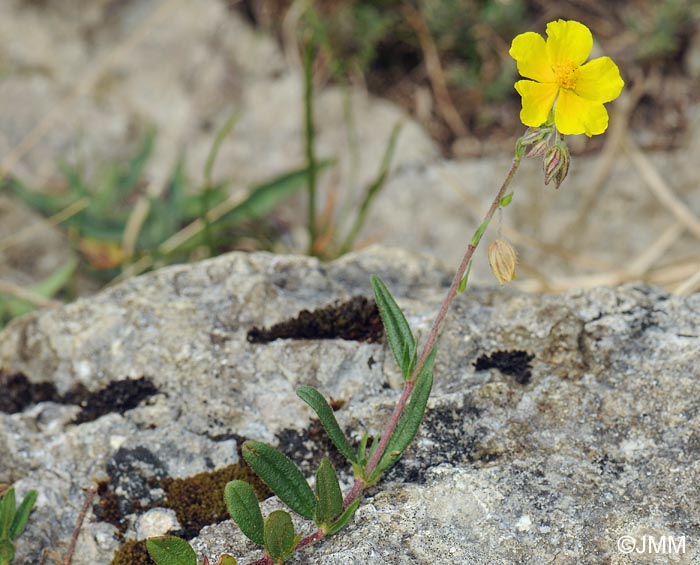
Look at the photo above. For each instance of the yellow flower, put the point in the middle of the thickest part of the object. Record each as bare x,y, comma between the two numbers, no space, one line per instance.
576,91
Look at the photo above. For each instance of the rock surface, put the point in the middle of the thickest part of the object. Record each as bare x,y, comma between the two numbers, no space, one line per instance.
557,424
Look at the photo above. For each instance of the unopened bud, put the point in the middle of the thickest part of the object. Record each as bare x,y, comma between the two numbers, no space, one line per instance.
502,259
538,149
556,164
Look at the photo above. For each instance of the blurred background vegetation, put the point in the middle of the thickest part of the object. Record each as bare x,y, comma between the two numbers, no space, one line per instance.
445,62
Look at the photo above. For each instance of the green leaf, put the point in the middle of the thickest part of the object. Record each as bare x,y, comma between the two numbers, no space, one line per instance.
505,200
330,498
242,504
22,515
46,288
282,476
171,550
279,535
465,279
8,506
7,552
226,559
263,198
325,413
398,332
345,517
479,233
410,421
216,145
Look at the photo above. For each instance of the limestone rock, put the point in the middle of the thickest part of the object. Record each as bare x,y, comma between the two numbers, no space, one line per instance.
557,424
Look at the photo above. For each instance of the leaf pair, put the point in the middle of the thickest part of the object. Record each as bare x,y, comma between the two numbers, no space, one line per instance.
13,520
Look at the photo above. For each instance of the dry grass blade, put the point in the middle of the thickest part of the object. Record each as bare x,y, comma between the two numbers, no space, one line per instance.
434,69
22,293
689,285
660,188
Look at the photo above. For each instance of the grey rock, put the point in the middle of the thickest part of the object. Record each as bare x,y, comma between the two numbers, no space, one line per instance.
579,426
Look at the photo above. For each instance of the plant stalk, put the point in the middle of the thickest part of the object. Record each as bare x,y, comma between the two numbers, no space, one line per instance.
435,330
309,137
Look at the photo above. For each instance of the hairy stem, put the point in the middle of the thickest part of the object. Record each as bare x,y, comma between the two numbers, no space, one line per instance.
435,330
359,485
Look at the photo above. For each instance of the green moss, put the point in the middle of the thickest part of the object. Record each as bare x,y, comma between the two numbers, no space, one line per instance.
199,500
132,553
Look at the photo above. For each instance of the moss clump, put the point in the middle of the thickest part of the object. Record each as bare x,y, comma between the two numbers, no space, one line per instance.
199,500
132,553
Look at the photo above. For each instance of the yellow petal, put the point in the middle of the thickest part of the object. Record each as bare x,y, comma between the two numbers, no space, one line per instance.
574,115
530,52
568,43
599,80
538,100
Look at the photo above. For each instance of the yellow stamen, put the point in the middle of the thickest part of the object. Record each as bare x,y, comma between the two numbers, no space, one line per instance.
565,75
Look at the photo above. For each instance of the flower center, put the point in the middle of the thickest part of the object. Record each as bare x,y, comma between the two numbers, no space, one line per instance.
565,75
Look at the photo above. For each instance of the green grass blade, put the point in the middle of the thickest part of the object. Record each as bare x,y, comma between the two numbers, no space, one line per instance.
325,414
22,515
46,288
221,135
171,550
398,332
263,198
243,506
282,476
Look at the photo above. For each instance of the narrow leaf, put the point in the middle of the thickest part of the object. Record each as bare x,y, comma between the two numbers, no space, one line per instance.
263,198
479,233
465,279
409,423
398,332
279,535
22,515
7,552
505,200
242,504
7,512
325,413
330,498
214,150
345,517
282,476
171,550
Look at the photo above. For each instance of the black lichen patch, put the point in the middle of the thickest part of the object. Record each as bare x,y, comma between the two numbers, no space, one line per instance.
132,474
357,319
117,396
459,439
515,364
199,500
307,447
17,393
132,553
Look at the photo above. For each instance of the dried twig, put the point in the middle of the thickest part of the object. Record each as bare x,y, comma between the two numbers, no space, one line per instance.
434,69
660,188
27,295
91,492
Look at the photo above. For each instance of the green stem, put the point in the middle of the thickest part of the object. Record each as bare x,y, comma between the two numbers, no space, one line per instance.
309,135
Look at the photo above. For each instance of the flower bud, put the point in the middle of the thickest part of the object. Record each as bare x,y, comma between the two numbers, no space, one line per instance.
502,259
556,164
538,149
